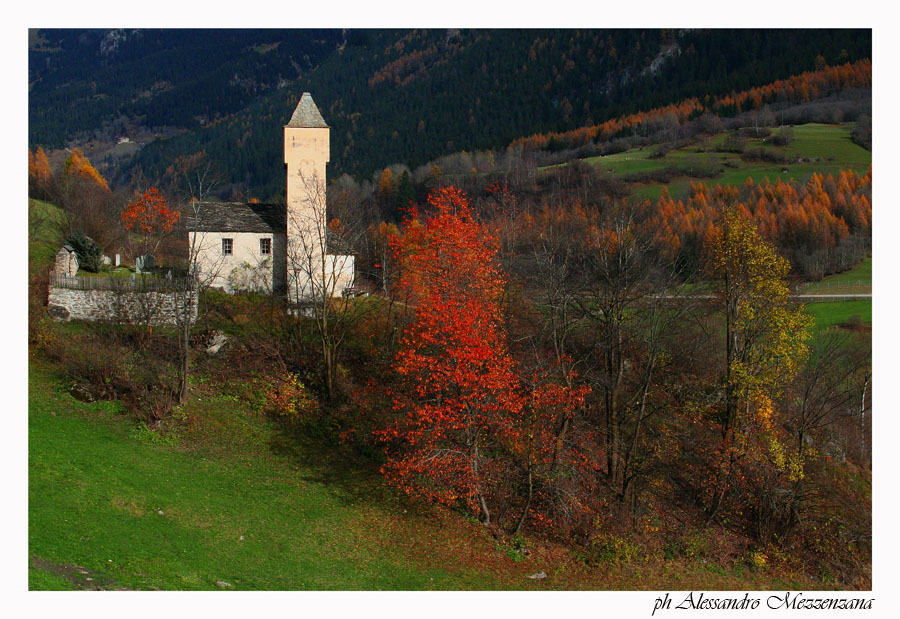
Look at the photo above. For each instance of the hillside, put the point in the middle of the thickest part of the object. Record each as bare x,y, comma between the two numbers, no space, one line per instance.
389,96
235,500
226,495
814,147
610,323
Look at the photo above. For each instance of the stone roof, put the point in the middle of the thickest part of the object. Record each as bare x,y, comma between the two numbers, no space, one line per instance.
237,217
306,114
255,217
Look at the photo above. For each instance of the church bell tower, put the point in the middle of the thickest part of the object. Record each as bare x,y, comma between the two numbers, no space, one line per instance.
306,151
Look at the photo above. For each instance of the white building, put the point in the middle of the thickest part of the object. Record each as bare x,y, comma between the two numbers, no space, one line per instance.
277,248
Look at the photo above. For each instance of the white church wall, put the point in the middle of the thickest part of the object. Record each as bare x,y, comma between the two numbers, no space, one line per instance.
246,267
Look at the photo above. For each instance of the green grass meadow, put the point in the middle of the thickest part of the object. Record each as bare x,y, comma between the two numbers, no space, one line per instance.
133,510
830,145
46,223
831,314
857,280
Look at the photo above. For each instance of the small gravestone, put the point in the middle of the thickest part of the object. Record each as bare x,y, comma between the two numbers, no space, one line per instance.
118,260
144,264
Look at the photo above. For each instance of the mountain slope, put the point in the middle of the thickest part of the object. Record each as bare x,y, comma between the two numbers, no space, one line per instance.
401,96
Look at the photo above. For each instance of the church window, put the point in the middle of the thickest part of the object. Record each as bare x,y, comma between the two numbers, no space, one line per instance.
265,246
227,247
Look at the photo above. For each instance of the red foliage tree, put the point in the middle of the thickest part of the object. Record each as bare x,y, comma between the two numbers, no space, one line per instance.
151,216
459,400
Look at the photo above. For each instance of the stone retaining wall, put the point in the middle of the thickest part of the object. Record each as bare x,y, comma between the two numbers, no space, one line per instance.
138,307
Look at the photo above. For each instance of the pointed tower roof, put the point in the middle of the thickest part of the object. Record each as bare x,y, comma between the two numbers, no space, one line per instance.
306,114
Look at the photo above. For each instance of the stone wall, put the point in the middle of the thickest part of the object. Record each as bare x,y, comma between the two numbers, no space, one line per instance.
130,306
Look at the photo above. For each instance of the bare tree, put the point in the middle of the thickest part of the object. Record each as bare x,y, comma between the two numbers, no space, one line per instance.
318,281
194,178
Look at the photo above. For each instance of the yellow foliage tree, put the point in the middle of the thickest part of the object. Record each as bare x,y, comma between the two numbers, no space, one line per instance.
765,343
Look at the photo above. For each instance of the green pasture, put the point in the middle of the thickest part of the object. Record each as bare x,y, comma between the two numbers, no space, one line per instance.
46,226
829,146
857,280
132,510
831,314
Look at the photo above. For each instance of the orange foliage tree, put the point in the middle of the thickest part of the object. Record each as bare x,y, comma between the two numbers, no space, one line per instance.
798,218
150,216
39,173
78,166
459,400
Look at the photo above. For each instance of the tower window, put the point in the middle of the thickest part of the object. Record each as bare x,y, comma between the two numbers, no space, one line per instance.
265,246
227,247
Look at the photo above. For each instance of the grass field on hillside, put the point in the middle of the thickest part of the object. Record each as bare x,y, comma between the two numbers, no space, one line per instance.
237,504
829,314
46,223
135,511
857,280
829,144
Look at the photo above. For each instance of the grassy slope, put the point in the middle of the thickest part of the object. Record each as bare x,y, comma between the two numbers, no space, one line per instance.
45,225
830,143
827,314
97,483
857,280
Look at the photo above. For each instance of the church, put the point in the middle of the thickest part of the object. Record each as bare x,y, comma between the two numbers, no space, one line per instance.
276,248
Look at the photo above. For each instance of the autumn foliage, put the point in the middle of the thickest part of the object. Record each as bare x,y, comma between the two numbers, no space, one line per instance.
39,173
463,414
765,343
459,399
800,218
798,88
150,216
77,165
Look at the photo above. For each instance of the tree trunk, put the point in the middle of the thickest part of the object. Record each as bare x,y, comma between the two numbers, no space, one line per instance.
527,503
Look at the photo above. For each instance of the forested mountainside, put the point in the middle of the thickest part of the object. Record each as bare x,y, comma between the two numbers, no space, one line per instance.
388,95
84,81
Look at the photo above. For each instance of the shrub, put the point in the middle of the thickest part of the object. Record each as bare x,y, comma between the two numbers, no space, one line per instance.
734,143
764,154
90,255
854,323
689,545
40,328
757,559
608,548
784,136
291,399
